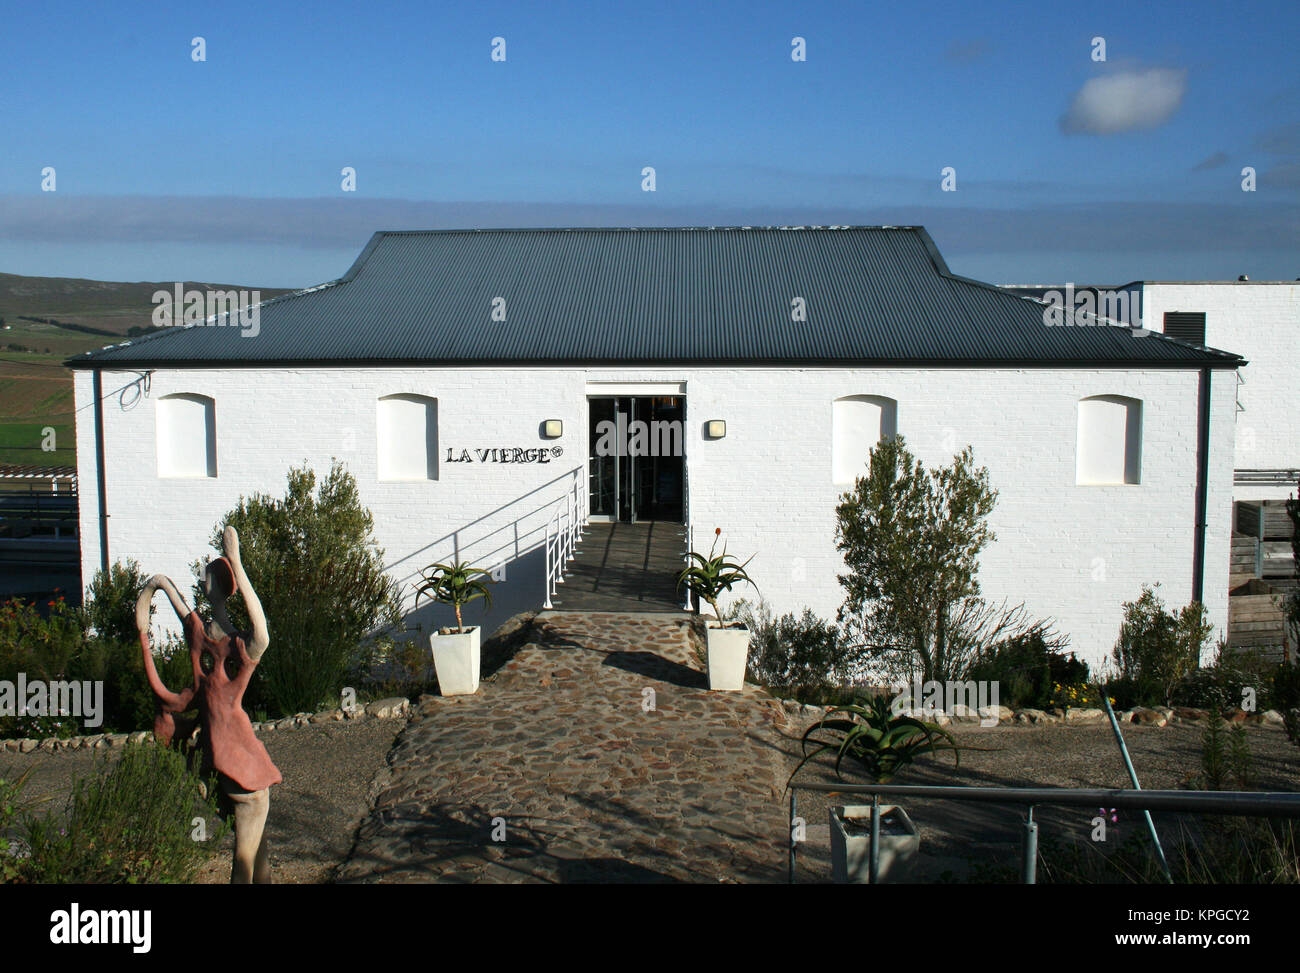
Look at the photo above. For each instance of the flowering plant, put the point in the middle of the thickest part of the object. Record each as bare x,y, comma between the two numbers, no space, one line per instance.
1076,695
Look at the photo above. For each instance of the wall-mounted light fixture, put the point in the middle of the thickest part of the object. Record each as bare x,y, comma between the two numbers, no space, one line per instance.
717,428
553,428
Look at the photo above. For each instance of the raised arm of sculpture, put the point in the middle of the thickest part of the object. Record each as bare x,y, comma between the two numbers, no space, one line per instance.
176,702
257,619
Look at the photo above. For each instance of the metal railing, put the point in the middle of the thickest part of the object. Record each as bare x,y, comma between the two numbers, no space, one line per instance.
1245,804
563,533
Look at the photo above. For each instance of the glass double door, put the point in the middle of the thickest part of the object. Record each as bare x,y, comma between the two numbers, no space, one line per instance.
636,457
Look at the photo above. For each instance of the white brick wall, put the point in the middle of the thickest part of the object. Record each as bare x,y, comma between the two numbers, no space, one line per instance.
1071,552
1261,322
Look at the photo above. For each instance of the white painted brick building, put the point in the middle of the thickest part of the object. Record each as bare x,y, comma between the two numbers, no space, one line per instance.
980,369
1260,321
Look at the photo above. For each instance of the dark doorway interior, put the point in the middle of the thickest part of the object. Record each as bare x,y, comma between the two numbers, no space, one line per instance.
637,461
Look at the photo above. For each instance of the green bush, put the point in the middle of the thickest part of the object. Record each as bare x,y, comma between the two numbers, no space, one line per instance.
312,559
133,822
96,643
800,657
47,647
1158,648
111,599
1286,697
1026,667
1224,686
13,850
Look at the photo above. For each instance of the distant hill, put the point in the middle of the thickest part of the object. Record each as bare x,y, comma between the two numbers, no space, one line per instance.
45,320
110,307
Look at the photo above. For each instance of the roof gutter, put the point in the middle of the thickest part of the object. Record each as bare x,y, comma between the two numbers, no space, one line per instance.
98,391
1202,485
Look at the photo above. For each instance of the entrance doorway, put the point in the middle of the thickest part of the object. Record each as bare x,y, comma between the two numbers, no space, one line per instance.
637,447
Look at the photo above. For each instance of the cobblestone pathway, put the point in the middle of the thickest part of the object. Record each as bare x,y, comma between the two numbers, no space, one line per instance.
590,786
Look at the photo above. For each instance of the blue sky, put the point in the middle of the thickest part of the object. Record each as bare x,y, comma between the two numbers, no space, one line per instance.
229,169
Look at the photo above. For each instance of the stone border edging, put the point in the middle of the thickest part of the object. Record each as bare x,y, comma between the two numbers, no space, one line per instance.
1140,716
394,707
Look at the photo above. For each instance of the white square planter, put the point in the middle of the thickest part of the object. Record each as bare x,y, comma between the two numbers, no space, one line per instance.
727,650
851,853
456,659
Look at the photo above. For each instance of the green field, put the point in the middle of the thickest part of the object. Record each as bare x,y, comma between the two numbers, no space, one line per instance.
72,316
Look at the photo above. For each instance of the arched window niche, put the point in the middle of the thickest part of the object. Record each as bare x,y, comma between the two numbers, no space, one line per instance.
408,437
1109,450
858,423
187,436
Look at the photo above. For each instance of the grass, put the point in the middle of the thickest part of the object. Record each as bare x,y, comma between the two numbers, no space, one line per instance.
35,388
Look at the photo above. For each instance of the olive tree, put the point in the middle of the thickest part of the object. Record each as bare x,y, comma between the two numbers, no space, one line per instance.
911,540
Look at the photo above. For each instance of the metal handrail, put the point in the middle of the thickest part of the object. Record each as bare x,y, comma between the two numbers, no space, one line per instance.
563,532
1243,803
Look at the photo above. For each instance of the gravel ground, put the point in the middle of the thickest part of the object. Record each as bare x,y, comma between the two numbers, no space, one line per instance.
327,772
955,834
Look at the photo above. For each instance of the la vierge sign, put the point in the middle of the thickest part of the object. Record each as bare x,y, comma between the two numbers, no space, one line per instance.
505,454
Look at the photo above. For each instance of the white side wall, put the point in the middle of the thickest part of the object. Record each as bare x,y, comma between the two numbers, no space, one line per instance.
1068,551
1261,322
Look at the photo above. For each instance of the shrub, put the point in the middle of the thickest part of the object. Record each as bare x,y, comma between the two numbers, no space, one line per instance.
46,647
13,850
1217,851
802,657
131,823
1026,667
1158,648
312,559
1075,696
128,701
110,602
1286,697
1227,684
96,643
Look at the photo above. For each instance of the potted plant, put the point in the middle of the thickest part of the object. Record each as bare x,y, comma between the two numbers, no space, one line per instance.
726,643
881,743
455,653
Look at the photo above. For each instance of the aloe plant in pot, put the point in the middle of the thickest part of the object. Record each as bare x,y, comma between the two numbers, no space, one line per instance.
456,655
727,644
881,743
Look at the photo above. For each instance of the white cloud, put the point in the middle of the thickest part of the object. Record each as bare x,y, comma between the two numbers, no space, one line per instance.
1125,101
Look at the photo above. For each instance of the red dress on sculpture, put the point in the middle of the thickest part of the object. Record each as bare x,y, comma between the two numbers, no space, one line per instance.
222,670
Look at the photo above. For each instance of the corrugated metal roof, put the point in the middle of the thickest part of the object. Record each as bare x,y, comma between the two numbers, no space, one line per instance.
879,295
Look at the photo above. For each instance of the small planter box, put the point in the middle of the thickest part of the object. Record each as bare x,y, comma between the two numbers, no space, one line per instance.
851,844
727,651
456,659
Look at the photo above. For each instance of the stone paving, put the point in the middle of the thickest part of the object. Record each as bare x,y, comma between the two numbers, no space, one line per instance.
558,751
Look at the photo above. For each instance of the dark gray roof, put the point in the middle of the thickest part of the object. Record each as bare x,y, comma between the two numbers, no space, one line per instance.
874,295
